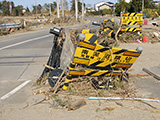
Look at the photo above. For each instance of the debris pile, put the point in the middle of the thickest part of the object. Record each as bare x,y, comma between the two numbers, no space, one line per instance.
32,23
80,78
96,68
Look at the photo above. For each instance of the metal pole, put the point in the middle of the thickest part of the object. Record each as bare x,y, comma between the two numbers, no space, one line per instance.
93,4
62,8
82,9
114,6
76,9
36,8
10,8
142,5
50,7
58,9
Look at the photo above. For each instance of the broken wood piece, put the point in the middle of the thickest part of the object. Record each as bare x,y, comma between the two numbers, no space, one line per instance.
149,105
49,67
120,104
110,108
59,80
77,104
151,73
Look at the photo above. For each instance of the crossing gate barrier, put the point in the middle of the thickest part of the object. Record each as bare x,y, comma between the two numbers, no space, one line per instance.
108,26
99,60
131,22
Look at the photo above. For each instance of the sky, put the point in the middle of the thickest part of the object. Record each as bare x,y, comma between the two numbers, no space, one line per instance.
29,3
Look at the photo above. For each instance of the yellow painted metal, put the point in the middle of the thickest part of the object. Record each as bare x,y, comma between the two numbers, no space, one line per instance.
96,56
131,54
131,29
105,20
86,45
65,86
106,29
81,61
132,14
110,33
132,19
123,66
85,31
95,72
105,56
131,23
88,37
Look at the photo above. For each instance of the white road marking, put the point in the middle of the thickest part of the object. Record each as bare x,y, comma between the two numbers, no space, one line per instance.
19,43
15,90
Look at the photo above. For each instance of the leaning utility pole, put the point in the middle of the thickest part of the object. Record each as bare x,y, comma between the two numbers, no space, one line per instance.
82,9
142,5
50,7
76,9
62,8
36,8
58,9
93,4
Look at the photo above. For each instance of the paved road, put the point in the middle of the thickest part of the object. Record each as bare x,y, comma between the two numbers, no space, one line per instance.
22,57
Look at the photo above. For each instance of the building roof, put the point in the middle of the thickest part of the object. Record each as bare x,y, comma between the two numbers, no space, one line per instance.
105,4
110,2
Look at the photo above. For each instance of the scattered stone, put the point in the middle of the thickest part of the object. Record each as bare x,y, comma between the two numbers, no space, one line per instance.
77,104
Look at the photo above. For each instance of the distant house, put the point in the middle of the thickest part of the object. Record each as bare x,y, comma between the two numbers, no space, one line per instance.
126,1
104,5
23,10
157,3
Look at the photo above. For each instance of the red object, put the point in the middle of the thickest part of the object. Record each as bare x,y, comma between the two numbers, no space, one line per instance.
145,39
145,21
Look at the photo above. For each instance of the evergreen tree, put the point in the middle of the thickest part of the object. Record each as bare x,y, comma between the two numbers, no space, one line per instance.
79,5
27,10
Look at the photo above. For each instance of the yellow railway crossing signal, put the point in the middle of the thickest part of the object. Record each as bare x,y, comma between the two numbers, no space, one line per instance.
101,57
132,14
132,22
100,60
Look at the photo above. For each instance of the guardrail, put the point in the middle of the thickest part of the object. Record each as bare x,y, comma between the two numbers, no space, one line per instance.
10,25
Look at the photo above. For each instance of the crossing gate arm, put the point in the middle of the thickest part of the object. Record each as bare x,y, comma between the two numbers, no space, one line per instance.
100,60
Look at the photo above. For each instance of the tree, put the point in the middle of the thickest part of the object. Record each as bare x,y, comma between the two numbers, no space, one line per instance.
46,7
106,11
149,4
121,7
65,4
5,8
1,6
27,10
136,5
39,9
158,9
17,11
53,6
79,5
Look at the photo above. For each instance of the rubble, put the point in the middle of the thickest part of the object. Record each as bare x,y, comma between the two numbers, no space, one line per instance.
31,23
